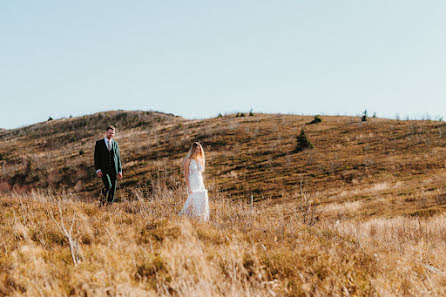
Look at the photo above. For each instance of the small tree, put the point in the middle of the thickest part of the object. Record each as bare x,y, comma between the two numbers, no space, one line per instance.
364,116
303,142
251,113
317,119
50,119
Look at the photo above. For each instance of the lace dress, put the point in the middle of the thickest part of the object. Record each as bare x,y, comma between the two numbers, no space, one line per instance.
197,204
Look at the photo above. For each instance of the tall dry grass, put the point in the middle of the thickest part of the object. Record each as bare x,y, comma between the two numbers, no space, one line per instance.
408,250
140,247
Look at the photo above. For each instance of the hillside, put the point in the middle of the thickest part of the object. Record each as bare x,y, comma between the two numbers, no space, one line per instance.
399,164
361,214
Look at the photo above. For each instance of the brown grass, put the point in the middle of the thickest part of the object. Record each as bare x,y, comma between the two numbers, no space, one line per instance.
142,248
246,155
376,191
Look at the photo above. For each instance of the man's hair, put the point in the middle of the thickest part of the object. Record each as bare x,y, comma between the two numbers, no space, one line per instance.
110,127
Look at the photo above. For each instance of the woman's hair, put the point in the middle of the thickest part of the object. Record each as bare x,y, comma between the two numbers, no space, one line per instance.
191,152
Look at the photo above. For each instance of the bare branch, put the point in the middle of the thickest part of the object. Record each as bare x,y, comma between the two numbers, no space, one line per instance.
76,253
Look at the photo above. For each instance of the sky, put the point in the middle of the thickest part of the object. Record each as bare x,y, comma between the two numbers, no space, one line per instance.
197,59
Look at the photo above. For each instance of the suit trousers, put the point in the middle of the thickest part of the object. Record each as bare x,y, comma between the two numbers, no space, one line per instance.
109,180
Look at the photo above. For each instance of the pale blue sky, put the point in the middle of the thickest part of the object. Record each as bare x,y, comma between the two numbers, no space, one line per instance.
200,58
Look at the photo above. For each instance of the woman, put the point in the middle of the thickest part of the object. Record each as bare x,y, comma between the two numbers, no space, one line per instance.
197,204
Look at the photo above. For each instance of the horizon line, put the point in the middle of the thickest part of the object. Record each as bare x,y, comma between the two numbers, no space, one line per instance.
397,116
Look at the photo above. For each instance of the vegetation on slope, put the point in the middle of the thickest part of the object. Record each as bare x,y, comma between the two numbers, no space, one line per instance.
360,214
246,156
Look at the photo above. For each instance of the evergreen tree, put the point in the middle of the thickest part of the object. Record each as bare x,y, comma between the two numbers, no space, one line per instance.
317,119
303,142
364,116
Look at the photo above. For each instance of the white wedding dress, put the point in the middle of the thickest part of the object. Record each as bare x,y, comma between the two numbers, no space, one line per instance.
197,204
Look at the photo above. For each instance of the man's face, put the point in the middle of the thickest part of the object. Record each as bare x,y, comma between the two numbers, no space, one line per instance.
110,133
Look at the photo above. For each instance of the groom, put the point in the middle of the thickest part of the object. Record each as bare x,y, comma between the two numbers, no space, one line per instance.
108,163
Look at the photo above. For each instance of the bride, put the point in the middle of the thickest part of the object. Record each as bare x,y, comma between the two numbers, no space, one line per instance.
197,196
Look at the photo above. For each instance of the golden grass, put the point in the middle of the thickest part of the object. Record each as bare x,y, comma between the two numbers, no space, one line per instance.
142,248
375,225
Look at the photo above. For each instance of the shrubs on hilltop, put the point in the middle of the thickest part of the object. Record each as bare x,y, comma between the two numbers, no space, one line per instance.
242,114
364,116
317,119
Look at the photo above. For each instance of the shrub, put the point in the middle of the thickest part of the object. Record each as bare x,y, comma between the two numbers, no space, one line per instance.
219,115
364,116
81,152
50,119
1,157
317,119
303,142
251,113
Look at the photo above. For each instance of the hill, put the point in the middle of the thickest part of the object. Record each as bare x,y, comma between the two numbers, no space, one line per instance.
398,163
361,214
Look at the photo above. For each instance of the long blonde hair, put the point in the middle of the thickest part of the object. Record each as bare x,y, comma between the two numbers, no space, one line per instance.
192,150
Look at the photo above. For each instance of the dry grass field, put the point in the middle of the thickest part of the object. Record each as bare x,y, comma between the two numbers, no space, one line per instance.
361,214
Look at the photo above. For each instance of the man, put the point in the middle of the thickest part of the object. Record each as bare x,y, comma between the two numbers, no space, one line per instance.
107,162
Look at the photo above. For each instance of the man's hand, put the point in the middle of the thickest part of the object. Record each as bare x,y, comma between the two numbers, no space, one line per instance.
99,173
119,175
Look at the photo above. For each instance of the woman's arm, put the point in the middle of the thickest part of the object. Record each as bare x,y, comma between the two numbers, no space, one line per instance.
186,174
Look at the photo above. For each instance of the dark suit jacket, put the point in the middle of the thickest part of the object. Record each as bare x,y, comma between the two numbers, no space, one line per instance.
100,155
